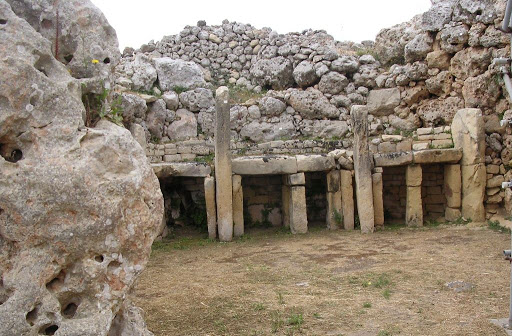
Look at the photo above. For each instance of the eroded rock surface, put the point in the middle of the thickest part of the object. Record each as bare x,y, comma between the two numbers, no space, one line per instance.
79,207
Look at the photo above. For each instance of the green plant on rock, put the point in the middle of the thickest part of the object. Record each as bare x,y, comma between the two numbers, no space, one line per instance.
102,106
179,89
338,217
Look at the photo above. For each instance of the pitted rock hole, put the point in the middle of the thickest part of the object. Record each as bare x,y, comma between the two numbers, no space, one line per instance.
99,258
32,315
68,58
3,21
69,310
56,283
106,60
10,154
49,329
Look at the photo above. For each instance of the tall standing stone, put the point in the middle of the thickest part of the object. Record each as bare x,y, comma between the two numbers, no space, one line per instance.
238,206
469,135
363,168
334,210
378,201
286,202
211,208
452,190
414,205
223,171
297,210
347,199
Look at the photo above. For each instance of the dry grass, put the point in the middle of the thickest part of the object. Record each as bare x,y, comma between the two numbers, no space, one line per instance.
329,283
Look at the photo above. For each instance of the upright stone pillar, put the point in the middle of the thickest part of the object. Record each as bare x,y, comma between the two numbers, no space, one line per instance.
285,202
347,199
211,210
297,203
469,135
414,204
378,201
363,168
223,166
452,190
334,210
238,206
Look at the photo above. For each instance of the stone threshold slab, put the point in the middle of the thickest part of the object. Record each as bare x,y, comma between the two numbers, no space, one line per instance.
281,165
183,169
450,155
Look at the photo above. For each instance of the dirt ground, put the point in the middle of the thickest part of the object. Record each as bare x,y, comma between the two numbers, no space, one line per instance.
392,282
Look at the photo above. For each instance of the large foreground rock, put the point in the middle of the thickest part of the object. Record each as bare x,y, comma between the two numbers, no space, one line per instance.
84,33
79,207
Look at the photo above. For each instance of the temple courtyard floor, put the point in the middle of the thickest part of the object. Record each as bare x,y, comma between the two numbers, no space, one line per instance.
434,280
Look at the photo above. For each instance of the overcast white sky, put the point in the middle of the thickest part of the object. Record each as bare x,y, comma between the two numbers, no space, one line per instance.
138,22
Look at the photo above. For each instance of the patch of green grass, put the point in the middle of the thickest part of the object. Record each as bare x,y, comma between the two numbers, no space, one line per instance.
205,158
432,223
258,306
296,320
386,293
179,89
367,305
277,321
384,333
240,94
461,221
280,298
496,226
317,315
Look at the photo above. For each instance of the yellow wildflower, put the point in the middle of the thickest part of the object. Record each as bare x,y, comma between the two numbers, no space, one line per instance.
95,61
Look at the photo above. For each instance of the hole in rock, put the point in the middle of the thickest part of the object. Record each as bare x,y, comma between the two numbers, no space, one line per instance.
56,282
69,310
106,60
47,24
3,21
10,154
49,330
99,258
68,58
31,316
478,12
113,265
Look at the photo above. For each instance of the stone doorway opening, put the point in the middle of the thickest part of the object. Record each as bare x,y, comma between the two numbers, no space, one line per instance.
394,195
316,198
185,206
262,195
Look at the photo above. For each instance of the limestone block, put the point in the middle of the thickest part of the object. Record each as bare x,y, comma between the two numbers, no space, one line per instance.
334,210
469,135
495,181
473,191
285,198
333,181
452,185
238,206
211,210
413,176
420,146
451,155
452,214
298,213
265,165
378,201
310,163
414,207
347,199
363,167
393,159
383,102
295,179
184,169
404,146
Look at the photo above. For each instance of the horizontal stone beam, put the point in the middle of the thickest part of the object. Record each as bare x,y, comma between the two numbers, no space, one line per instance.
392,159
451,155
312,163
264,165
182,169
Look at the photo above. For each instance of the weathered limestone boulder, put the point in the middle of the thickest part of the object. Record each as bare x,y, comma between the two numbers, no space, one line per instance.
332,83
312,104
133,106
441,84
468,134
271,107
438,59
418,48
305,74
262,131
482,91
437,16
184,128
155,119
84,34
178,74
80,207
197,100
144,73
324,128
171,100
309,163
470,62
390,42
383,102
276,72
345,64
265,165
454,37
436,112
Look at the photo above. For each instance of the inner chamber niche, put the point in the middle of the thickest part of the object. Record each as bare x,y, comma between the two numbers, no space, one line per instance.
185,206
316,198
262,200
394,193
432,196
